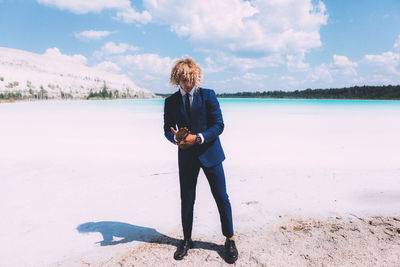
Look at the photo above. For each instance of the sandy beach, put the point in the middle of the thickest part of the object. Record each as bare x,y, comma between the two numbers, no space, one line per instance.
333,241
95,183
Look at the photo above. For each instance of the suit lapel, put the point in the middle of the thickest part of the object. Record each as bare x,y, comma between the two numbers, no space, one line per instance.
196,106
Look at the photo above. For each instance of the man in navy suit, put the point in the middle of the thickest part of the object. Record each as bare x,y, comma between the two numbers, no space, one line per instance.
198,110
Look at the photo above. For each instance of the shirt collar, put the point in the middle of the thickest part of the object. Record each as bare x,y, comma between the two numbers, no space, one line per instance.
191,93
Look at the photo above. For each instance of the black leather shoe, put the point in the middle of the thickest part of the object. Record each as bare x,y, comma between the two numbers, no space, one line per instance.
183,248
231,251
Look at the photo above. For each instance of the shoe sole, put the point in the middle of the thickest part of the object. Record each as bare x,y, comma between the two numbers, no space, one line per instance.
231,261
181,258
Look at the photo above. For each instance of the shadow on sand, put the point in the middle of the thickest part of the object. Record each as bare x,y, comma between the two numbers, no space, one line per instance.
128,232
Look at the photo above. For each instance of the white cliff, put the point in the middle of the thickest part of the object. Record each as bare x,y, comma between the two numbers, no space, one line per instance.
54,75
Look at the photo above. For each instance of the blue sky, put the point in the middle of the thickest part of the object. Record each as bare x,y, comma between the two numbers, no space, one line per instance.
241,45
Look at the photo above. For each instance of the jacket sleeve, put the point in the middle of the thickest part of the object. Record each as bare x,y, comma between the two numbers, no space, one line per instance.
168,121
215,117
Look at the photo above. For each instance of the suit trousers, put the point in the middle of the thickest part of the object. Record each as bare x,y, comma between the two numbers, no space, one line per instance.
188,174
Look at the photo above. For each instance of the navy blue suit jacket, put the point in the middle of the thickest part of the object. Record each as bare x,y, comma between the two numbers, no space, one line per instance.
206,119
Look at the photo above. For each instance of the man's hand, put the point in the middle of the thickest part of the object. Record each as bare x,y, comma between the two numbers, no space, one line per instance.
190,139
180,135
184,138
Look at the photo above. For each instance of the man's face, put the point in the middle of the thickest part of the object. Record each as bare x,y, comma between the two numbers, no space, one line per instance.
186,84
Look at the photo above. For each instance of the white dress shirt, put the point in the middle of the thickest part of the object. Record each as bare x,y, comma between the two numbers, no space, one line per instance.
191,94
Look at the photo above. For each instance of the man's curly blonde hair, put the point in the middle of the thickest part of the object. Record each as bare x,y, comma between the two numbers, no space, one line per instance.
186,68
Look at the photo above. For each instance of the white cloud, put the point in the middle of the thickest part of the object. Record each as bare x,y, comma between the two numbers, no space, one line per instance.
92,35
295,62
113,48
290,80
380,79
340,71
387,61
254,76
148,70
248,34
198,19
108,66
397,43
55,55
346,66
130,15
125,11
252,63
86,6
251,78
255,80
343,61
380,69
212,66
146,63
321,73
236,25
221,62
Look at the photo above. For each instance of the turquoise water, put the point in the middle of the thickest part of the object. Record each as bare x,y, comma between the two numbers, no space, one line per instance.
269,101
263,101
156,105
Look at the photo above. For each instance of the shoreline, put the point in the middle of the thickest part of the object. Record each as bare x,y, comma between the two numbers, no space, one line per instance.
5,101
334,99
9,101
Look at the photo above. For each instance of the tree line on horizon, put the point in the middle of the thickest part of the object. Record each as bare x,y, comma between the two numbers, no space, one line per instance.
356,92
385,92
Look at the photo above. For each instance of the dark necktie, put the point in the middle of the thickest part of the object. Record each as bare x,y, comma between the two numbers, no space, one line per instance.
187,105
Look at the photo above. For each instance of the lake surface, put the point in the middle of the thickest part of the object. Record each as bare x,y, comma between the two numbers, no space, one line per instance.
320,125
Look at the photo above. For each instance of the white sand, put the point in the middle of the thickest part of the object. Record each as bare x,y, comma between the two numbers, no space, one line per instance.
66,164
296,242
